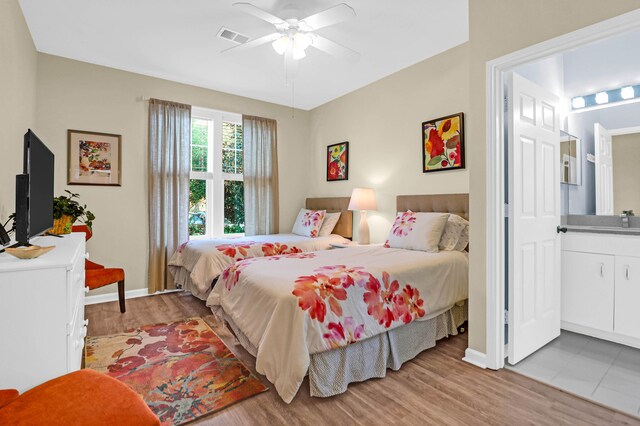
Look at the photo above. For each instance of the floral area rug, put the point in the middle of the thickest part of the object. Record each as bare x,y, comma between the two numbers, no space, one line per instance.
182,370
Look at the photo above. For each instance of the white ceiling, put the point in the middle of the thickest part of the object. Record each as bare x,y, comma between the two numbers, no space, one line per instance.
604,65
176,40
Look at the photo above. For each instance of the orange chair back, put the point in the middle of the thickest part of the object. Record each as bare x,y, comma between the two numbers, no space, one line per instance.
83,228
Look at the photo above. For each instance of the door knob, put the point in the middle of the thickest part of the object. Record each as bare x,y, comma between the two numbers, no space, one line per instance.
560,229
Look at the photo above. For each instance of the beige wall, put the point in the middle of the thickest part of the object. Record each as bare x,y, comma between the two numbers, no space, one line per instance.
382,123
626,173
18,67
498,27
77,95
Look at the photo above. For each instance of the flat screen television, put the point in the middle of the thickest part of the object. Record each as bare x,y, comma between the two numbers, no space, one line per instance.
34,190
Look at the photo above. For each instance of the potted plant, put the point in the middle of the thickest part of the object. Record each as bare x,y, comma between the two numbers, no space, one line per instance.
67,210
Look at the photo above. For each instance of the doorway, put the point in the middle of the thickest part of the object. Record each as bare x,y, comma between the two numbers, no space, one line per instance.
498,228
497,71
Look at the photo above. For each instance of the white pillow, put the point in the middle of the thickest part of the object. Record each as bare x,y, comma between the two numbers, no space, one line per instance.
452,232
330,222
308,222
417,231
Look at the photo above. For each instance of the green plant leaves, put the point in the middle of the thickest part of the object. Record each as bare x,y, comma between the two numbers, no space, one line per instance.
436,160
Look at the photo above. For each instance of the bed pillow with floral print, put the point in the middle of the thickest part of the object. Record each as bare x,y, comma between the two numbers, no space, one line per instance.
309,222
417,231
463,241
453,230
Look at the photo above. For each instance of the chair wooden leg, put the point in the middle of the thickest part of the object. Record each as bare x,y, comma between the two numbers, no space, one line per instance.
121,295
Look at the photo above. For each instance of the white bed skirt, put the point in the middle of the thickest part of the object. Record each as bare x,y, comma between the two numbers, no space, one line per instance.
331,372
183,281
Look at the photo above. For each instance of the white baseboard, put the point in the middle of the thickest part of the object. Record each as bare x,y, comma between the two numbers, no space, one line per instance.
476,358
111,297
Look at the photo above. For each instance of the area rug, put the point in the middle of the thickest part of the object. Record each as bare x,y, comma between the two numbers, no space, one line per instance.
182,370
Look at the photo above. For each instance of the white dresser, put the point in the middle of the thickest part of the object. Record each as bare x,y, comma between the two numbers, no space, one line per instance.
42,325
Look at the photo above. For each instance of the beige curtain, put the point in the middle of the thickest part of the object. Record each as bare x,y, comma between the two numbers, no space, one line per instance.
260,175
169,158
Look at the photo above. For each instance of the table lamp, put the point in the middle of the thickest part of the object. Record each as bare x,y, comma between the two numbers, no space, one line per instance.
363,199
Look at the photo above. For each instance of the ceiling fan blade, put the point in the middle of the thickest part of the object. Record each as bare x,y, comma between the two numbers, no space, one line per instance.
258,13
253,43
331,16
335,49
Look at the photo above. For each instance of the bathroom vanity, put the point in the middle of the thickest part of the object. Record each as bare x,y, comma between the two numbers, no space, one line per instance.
601,282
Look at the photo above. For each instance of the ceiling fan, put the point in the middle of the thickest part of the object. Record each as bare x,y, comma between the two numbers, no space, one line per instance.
293,36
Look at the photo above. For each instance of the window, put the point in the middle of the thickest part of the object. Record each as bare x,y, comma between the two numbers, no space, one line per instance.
216,198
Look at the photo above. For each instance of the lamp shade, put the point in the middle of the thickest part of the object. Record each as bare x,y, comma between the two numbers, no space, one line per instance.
363,199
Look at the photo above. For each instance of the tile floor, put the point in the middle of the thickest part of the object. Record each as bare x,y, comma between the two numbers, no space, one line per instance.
603,371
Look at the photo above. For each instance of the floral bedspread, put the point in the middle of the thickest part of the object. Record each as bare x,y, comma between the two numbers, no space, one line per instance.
206,259
294,305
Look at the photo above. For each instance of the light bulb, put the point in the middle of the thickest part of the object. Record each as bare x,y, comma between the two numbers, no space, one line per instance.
627,92
602,98
281,44
578,102
301,41
298,53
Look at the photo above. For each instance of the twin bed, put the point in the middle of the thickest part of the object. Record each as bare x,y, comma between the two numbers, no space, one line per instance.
197,263
344,315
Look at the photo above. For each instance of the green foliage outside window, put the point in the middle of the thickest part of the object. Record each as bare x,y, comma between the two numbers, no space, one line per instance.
233,190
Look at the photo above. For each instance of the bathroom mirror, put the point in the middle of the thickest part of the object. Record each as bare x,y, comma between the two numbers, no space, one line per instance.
570,159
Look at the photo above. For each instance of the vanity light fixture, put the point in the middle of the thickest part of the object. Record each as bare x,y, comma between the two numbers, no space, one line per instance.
602,98
627,92
577,102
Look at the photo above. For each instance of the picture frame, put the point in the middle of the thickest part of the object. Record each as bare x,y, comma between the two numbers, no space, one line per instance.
443,143
94,158
338,162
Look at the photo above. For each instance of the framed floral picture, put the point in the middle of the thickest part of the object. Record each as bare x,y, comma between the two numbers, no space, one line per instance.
443,143
338,161
93,158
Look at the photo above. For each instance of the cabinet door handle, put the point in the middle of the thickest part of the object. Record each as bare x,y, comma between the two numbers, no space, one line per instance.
602,270
626,271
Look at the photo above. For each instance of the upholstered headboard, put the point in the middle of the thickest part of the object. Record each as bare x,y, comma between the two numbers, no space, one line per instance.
344,226
444,203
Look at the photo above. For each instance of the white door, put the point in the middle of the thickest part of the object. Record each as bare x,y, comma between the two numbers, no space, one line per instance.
604,170
534,214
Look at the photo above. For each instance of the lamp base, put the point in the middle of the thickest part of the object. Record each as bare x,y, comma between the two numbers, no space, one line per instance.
363,229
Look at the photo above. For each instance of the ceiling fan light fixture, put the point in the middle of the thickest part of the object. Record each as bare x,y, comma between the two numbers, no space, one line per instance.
301,41
281,44
298,53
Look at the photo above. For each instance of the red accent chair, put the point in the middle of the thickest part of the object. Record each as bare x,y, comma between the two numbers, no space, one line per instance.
84,397
97,276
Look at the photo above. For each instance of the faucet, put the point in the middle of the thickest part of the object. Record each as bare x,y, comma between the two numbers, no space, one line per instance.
625,217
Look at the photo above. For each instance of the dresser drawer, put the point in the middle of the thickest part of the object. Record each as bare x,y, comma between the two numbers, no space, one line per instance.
75,284
77,333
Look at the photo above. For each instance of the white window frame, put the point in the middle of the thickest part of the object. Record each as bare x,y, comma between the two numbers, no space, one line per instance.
214,226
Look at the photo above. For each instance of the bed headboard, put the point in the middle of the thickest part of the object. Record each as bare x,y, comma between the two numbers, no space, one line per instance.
344,226
443,203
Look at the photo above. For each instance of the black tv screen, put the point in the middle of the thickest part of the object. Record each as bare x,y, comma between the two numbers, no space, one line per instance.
34,190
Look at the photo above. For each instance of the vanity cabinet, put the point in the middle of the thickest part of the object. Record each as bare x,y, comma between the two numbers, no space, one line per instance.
601,286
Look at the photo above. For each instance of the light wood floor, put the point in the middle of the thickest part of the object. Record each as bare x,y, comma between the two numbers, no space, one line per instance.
434,388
